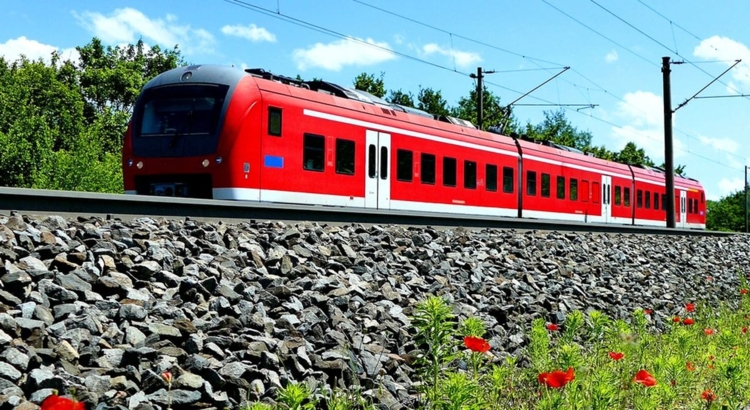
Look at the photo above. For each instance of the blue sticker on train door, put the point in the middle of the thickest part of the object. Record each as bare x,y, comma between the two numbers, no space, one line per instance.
271,161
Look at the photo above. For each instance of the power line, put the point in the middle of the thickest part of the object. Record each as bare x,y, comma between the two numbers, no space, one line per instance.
286,18
601,35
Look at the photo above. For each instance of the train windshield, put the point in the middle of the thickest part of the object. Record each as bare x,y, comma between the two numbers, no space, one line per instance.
181,110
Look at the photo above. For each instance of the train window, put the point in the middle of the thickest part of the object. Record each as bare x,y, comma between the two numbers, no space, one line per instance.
470,174
531,183
314,152
618,195
373,159
383,163
344,157
545,185
648,199
656,201
508,179
573,189
404,165
449,171
491,176
695,206
560,187
274,121
703,198
639,198
595,194
626,196
427,171
664,201
584,190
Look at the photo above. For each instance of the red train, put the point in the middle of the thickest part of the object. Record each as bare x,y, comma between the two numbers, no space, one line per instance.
220,132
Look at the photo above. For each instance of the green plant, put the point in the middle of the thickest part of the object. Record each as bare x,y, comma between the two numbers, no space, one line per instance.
296,397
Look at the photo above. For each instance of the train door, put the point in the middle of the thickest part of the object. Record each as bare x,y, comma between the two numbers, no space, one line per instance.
682,212
378,178
606,198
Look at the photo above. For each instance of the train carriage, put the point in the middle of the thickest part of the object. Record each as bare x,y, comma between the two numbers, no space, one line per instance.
225,133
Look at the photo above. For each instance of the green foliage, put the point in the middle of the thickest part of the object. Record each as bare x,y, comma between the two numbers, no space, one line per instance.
727,214
633,155
432,101
368,82
401,98
61,125
296,397
492,112
557,128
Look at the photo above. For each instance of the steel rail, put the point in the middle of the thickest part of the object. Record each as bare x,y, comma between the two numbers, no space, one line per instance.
120,206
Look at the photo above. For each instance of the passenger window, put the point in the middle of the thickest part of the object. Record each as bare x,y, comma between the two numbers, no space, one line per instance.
639,198
404,165
626,196
690,206
491,176
470,174
560,187
383,163
648,199
508,180
573,189
656,201
274,121
584,190
344,157
449,171
531,183
695,205
373,159
664,201
314,152
545,185
427,173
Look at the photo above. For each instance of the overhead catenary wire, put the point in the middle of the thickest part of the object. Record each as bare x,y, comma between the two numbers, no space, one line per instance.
289,19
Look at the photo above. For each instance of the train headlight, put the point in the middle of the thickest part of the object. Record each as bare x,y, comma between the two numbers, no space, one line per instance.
139,165
218,160
130,162
205,163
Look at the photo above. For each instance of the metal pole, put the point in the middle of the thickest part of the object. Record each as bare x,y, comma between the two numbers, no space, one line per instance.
668,153
480,94
745,198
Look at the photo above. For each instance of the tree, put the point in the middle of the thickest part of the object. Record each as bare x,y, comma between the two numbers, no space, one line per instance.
557,128
630,154
400,98
368,82
492,112
432,101
727,214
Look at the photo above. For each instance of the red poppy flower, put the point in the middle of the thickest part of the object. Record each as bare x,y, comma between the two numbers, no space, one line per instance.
55,402
645,378
676,319
690,366
709,332
688,321
557,378
744,329
743,291
552,327
709,278
647,311
616,355
708,395
476,344
711,358
690,307
167,376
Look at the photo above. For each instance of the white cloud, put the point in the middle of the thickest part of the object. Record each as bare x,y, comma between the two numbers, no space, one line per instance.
721,144
462,58
333,56
126,25
724,48
12,50
252,32
729,186
644,113
611,57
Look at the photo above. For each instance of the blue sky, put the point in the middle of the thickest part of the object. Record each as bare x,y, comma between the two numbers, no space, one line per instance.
614,49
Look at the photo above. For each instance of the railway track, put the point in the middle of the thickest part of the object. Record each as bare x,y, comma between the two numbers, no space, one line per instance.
113,206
